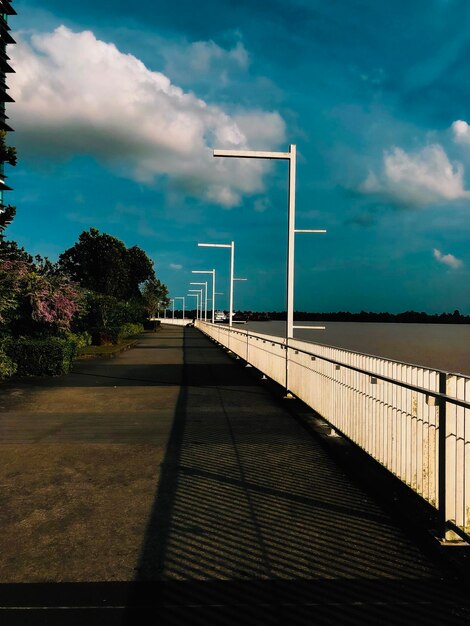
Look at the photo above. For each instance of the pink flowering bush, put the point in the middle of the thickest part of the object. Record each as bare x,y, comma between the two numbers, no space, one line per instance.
54,300
28,295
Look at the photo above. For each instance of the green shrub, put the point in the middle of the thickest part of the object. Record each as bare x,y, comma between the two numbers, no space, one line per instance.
82,340
114,334
7,365
49,356
130,330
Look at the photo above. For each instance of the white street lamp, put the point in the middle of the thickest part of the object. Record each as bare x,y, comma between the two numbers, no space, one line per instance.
195,295
200,301
213,287
230,245
291,158
172,300
205,299
180,298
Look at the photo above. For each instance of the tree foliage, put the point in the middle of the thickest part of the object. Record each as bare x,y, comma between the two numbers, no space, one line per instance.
155,296
103,264
10,251
6,217
7,153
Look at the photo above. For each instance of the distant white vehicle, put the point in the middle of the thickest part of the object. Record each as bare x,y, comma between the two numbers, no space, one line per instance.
220,317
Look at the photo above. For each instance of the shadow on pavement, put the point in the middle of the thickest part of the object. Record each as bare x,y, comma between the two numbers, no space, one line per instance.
254,523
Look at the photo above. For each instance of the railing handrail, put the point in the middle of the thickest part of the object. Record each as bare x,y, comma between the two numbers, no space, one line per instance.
424,390
349,351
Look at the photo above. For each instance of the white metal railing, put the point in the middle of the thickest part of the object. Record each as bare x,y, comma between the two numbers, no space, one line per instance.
413,420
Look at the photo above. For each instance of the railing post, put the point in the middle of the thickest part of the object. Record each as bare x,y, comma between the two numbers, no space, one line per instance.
288,395
442,492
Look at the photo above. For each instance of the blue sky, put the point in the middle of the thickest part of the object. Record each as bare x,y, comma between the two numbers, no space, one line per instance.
118,106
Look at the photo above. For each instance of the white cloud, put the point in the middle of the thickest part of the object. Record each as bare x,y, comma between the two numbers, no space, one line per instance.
418,178
204,61
447,259
176,266
461,131
202,54
75,93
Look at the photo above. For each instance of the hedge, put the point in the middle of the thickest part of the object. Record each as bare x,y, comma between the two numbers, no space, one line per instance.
49,356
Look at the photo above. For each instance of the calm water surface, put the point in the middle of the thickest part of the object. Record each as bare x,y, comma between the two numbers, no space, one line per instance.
438,346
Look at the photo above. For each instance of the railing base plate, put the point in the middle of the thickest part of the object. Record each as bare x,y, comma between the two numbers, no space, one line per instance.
454,541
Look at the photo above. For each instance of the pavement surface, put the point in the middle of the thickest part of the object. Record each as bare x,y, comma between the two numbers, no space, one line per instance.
169,482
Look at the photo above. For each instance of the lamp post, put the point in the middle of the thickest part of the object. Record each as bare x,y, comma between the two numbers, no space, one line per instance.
213,287
200,300
172,300
291,157
196,295
180,298
230,245
205,299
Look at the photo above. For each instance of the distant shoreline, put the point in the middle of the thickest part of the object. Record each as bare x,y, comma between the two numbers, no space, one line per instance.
407,317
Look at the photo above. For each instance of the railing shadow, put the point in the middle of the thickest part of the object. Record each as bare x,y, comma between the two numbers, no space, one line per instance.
254,523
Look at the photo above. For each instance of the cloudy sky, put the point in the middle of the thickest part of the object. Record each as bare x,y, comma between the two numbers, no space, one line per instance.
118,106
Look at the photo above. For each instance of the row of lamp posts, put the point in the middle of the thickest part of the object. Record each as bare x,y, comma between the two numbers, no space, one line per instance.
291,157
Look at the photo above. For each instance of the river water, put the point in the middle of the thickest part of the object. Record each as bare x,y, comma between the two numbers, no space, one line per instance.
437,346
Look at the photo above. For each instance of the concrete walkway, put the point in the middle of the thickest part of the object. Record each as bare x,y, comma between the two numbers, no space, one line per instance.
170,478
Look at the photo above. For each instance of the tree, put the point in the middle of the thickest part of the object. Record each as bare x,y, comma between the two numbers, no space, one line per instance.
10,251
6,217
140,269
13,279
7,153
155,296
103,264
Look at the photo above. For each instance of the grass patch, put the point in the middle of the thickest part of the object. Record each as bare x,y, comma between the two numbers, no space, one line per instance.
89,352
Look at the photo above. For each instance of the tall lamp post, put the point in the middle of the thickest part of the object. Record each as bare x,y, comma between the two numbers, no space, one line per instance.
213,288
180,298
230,245
196,295
205,299
199,291
291,157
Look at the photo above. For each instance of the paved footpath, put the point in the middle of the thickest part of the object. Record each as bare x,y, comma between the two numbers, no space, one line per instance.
169,480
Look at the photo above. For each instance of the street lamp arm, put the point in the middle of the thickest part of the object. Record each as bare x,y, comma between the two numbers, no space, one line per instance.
251,154
310,231
214,245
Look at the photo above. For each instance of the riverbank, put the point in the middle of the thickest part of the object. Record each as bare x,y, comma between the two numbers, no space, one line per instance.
437,346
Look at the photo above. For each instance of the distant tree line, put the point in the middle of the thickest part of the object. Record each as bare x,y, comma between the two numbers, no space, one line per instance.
408,317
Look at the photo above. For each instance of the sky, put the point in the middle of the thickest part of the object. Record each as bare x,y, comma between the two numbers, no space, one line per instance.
119,105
